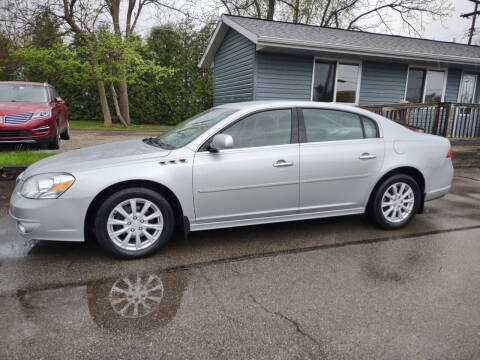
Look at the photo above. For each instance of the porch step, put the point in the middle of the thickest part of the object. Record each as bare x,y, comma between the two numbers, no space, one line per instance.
466,156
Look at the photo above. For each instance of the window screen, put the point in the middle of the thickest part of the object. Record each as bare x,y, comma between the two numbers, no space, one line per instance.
434,89
347,81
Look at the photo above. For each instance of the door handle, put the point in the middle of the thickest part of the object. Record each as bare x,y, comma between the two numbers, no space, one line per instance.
282,163
366,156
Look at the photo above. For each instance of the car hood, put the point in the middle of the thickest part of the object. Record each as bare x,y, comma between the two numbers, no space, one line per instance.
15,107
98,156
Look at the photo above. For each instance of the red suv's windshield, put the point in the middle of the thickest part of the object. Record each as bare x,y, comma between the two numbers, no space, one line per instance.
23,93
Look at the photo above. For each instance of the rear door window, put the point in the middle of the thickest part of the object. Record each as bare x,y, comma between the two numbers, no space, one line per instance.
331,125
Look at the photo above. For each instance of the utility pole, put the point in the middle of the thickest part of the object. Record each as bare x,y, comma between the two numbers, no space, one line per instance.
474,14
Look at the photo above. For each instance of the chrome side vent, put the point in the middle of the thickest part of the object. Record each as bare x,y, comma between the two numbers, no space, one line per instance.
173,162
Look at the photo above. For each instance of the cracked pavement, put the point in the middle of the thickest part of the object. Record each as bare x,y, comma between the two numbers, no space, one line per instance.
321,289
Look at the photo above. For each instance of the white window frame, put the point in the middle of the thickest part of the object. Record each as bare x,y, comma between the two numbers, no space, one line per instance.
337,62
427,69
477,75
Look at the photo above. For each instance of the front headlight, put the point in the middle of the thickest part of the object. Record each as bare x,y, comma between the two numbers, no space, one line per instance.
19,177
46,186
42,115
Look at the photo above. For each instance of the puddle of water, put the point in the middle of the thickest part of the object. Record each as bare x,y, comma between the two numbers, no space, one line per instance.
137,302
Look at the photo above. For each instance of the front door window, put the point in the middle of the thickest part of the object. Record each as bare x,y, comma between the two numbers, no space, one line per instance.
467,89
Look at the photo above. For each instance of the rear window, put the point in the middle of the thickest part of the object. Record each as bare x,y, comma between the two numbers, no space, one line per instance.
22,93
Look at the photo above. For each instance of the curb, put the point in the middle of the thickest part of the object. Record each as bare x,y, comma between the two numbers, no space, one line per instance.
8,173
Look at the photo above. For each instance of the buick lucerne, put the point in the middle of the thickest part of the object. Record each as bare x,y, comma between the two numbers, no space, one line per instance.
233,165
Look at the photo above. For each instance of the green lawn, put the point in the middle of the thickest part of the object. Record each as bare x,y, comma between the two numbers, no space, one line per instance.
21,158
97,125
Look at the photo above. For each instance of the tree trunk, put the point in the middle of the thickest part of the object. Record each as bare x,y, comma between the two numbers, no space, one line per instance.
124,104
115,104
107,118
296,11
271,9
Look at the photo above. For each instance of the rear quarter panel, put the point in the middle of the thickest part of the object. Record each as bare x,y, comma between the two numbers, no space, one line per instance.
424,152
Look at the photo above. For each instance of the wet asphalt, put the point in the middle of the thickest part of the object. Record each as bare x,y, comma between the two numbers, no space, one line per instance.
321,289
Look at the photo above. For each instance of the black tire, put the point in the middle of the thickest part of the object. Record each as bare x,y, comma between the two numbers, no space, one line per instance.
54,144
112,201
65,135
374,210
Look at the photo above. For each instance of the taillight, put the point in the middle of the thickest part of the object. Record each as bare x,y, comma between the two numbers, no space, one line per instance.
449,154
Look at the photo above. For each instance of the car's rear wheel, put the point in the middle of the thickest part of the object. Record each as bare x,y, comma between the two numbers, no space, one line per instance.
395,202
65,135
134,222
54,144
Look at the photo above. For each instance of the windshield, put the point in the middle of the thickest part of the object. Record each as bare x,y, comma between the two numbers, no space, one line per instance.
23,93
189,129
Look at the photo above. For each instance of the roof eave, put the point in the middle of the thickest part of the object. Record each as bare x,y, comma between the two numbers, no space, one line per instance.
217,39
358,50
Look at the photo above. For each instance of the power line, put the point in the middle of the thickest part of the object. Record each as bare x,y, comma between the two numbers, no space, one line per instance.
474,14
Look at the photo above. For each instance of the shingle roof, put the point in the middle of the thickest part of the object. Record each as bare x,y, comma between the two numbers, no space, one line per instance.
323,35
270,33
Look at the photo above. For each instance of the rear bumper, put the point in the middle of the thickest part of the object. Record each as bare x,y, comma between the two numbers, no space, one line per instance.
437,193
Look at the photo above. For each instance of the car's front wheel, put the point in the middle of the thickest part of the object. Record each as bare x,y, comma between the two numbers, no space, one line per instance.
395,202
134,222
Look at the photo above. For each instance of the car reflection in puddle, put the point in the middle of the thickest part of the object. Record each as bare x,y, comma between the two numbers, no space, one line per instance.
136,302
135,297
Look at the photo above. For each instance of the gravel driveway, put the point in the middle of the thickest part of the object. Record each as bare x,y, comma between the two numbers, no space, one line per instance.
83,138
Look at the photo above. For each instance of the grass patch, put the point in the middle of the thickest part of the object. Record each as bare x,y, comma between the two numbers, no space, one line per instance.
96,125
21,158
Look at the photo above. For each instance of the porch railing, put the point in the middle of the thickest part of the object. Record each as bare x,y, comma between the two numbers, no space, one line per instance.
452,120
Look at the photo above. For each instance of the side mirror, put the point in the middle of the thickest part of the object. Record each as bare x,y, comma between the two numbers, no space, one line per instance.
58,99
221,142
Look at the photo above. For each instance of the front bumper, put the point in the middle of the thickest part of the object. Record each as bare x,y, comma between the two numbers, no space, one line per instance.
47,219
34,131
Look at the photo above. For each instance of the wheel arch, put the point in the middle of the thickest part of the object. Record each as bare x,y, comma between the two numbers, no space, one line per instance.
402,170
152,185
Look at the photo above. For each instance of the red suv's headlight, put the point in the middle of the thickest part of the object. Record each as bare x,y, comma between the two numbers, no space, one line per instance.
44,114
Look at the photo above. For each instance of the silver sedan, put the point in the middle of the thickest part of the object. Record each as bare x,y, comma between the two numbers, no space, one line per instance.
234,165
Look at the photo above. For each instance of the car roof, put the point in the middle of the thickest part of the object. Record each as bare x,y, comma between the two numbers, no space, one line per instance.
258,105
31,83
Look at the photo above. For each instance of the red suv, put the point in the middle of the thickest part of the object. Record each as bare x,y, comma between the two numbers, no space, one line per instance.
32,113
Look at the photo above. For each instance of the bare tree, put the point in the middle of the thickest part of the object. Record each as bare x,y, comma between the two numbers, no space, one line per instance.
345,14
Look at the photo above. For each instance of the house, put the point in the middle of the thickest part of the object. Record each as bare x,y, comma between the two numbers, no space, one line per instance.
256,59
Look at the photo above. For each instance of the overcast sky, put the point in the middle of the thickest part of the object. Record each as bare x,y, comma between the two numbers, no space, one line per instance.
454,28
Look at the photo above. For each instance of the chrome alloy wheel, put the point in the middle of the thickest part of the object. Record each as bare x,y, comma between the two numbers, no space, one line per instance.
136,297
135,224
397,202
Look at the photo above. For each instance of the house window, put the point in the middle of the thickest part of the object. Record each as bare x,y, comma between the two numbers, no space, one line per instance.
335,81
323,81
425,86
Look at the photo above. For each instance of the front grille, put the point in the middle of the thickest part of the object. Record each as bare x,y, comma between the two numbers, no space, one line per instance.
18,119
15,133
